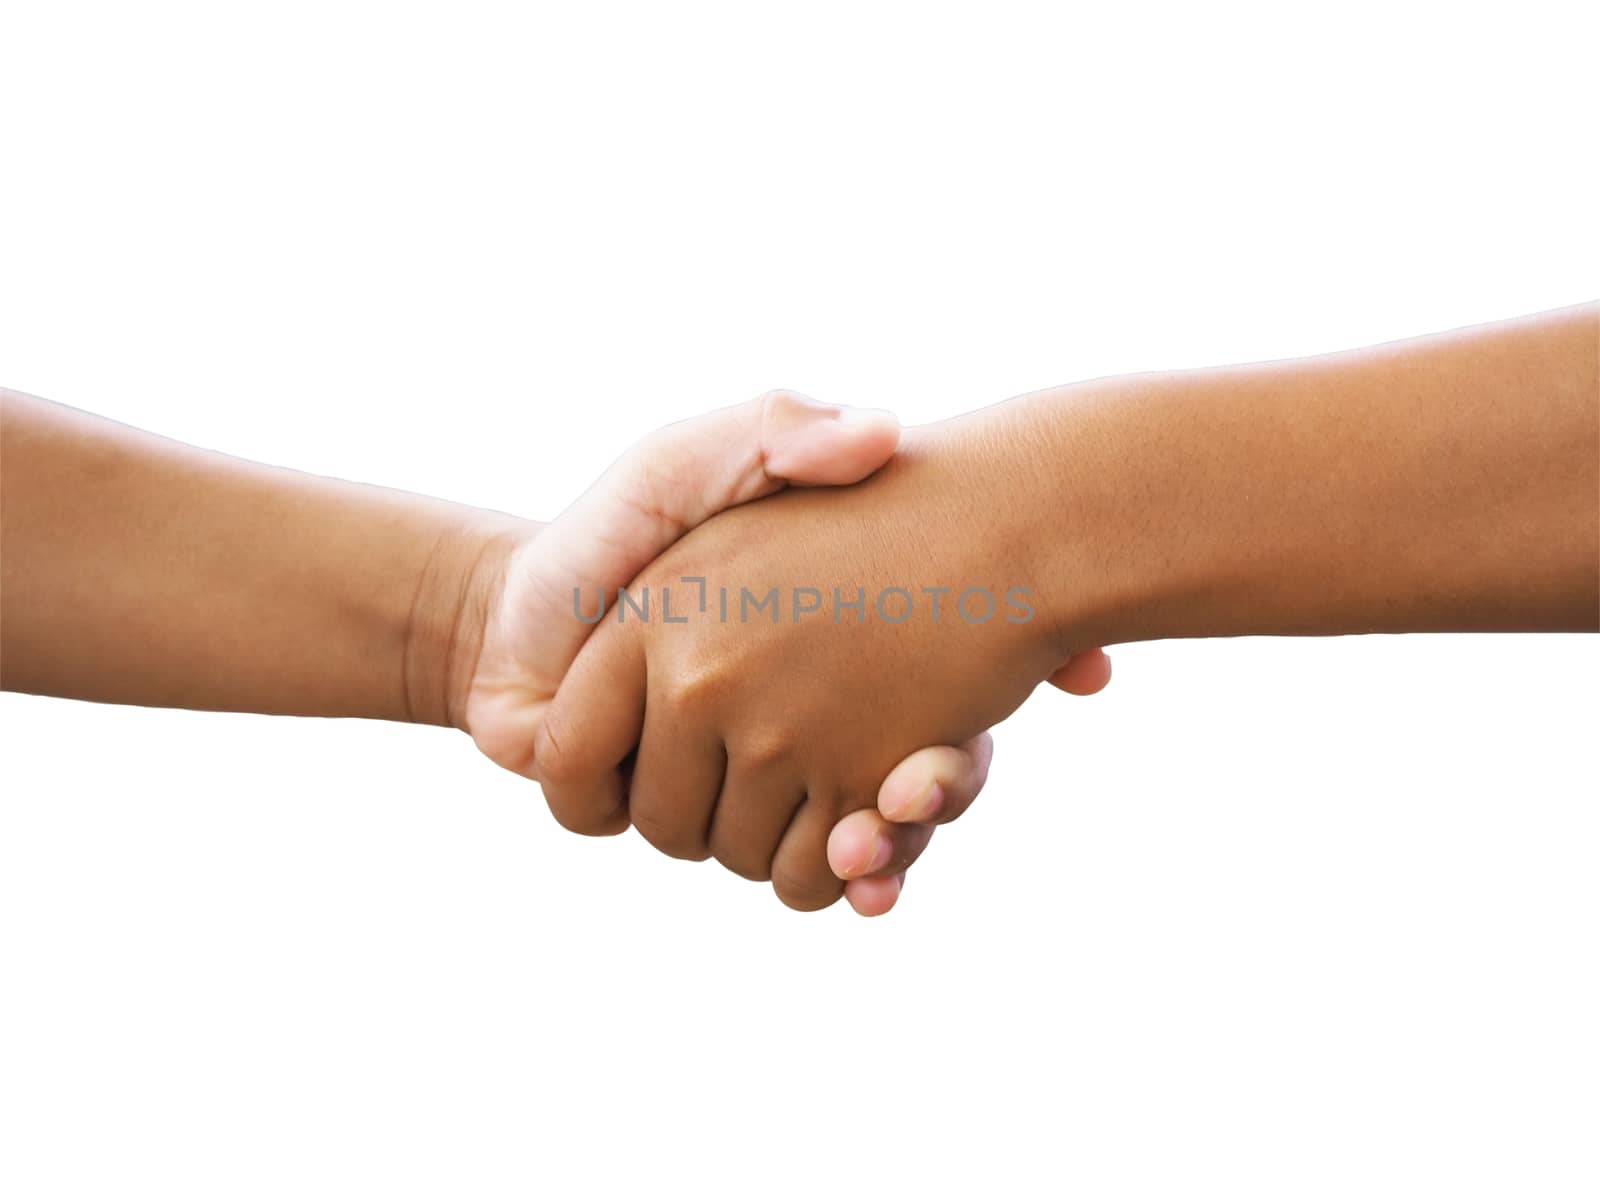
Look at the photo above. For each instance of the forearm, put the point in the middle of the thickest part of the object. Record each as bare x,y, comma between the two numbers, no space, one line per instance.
1446,483
138,570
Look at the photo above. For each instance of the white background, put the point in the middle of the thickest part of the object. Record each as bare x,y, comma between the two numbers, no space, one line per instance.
1266,919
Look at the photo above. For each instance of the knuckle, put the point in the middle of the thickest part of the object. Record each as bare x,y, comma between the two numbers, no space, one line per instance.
805,891
774,411
775,398
569,785
669,835
743,862
765,751
555,757
692,691
582,821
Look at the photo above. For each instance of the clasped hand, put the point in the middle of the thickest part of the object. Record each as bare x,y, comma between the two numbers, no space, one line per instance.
814,695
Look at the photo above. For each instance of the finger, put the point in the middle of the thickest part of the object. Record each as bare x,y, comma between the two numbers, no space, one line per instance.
757,803
591,726
874,897
676,777
864,844
938,784
800,874
1085,673
805,442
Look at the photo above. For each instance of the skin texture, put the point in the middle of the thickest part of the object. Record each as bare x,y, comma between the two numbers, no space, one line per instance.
139,570
750,739
1448,483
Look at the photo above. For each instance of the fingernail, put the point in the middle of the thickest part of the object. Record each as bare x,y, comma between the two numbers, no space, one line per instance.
898,808
915,806
857,418
882,848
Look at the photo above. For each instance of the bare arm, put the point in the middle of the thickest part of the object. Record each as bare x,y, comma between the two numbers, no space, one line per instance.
139,570
1445,483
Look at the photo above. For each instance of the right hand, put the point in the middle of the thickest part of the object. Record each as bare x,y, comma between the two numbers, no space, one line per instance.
754,737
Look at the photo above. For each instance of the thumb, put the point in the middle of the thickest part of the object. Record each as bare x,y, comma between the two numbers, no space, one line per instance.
686,473
808,442
690,471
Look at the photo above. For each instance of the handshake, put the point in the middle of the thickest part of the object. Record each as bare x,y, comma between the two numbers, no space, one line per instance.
724,646
777,635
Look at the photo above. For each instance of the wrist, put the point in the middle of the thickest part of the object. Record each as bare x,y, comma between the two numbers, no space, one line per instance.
456,588
1102,508
1002,503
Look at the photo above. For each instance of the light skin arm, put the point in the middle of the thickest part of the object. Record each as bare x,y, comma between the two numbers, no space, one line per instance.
139,570
1447,483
